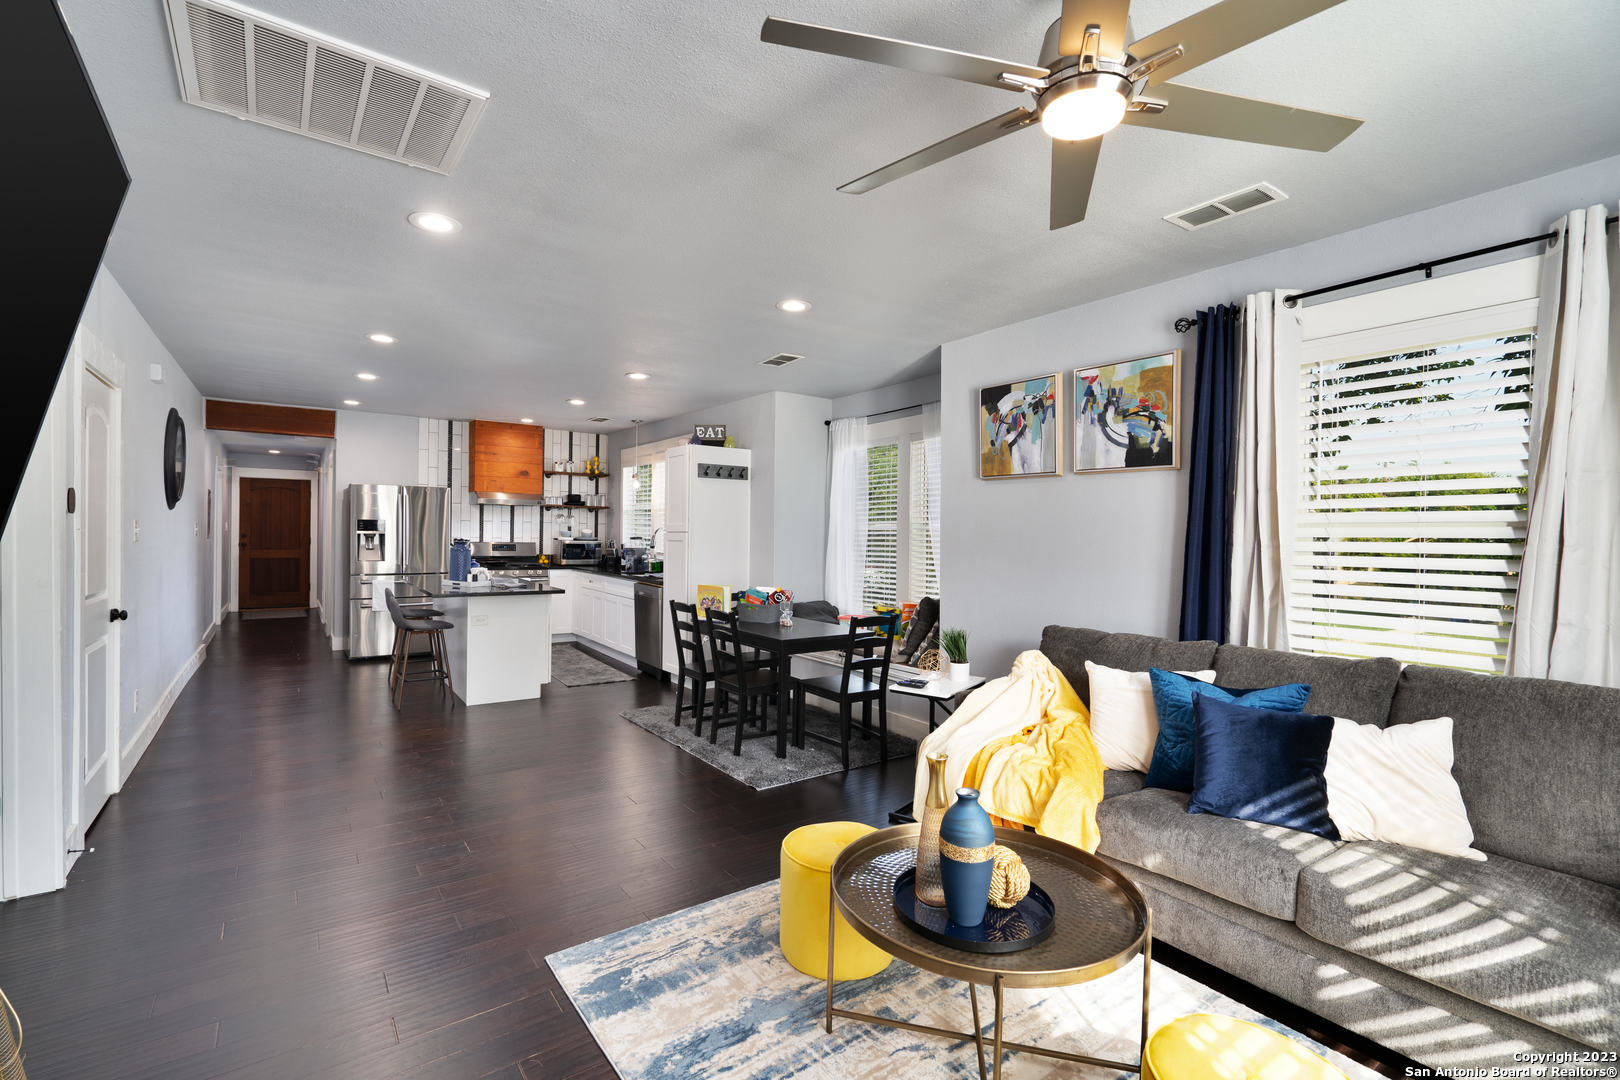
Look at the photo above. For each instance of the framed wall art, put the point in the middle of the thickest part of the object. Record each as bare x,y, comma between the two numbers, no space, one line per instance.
1125,415
1021,428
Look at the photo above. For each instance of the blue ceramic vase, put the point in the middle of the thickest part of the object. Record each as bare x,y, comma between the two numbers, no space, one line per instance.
966,836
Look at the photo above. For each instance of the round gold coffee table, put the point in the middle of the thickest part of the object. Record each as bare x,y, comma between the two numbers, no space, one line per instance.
1103,922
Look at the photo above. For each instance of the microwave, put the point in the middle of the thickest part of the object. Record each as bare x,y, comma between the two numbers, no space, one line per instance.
580,553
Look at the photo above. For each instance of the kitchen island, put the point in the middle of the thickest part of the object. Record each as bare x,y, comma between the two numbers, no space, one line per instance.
500,649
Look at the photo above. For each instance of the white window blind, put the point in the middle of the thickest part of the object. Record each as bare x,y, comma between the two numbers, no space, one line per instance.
638,501
922,519
1411,519
882,580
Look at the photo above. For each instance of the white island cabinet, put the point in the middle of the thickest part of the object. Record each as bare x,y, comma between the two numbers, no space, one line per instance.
500,647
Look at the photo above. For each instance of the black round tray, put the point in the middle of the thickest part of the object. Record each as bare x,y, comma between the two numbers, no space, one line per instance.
1003,930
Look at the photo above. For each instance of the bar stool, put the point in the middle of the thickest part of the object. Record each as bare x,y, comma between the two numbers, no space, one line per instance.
405,629
410,611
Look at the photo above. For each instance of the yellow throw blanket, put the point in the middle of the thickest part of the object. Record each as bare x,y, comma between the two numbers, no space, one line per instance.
1025,742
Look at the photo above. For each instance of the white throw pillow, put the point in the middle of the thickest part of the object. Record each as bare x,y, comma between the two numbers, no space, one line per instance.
1394,784
1124,723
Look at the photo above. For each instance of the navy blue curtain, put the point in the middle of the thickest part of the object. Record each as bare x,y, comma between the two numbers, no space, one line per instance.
1206,584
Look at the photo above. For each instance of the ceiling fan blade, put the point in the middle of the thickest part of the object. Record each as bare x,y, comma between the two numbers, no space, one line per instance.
1074,164
1079,14
1222,27
1227,116
927,59
978,135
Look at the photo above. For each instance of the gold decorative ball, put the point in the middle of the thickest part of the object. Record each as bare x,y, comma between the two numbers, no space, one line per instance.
1009,880
930,660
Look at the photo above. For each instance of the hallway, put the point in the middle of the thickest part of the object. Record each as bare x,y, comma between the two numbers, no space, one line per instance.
299,881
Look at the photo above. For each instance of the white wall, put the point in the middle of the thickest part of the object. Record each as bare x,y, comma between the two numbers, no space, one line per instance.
166,583
167,564
902,395
1106,551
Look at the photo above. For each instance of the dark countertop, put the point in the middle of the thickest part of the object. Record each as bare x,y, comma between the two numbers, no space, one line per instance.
448,589
649,579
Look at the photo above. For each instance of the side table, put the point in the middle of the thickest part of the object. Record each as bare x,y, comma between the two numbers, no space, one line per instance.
1103,922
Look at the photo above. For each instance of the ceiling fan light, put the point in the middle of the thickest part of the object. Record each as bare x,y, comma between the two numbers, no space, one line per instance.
1083,108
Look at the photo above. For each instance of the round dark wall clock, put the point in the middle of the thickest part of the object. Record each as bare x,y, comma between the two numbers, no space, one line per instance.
174,458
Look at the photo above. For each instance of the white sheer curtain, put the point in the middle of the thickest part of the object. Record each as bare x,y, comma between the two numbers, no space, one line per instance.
1265,472
930,418
1567,622
846,513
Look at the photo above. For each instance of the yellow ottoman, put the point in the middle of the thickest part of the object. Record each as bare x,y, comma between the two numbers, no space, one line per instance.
1208,1047
807,857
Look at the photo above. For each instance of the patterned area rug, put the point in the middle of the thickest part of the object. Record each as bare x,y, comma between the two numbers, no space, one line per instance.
758,766
705,992
572,667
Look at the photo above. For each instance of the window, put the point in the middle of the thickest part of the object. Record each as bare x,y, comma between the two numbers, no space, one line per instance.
882,581
1414,438
643,498
902,522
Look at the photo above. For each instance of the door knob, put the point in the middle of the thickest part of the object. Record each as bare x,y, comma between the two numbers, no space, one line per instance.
115,615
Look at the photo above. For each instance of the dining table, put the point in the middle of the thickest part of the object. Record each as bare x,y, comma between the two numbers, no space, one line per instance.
786,642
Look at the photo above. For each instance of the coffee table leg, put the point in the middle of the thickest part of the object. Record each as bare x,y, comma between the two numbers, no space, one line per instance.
997,988
1147,970
978,1029
832,919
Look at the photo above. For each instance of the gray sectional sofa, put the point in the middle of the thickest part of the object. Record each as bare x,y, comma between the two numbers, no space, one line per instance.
1450,961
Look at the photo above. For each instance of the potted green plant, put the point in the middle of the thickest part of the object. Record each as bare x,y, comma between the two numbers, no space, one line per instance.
954,641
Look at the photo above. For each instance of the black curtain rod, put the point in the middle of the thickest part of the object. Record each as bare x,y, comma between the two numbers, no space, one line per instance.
886,412
1184,324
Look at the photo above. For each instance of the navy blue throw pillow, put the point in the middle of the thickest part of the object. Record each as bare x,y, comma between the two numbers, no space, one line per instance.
1261,765
1173,697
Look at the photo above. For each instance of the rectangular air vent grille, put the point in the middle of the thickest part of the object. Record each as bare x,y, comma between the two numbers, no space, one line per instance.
781,359
1238,202
236,60
600,419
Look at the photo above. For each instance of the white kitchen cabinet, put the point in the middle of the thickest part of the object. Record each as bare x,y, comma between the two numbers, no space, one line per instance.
562,604
604,612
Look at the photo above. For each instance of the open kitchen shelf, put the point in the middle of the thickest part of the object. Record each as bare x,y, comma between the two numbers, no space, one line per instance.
587,475
570,506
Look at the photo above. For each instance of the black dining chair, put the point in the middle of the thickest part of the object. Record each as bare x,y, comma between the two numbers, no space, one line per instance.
863,681
406,628
751,684
693,664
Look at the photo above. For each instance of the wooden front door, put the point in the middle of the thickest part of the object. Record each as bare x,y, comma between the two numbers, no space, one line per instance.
273,543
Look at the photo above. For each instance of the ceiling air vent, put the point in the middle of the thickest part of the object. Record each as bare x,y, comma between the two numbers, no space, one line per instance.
1238,202
600,419
243,62
781,359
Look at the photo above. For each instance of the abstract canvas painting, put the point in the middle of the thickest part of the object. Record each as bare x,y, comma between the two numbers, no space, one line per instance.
1020,431
1124,414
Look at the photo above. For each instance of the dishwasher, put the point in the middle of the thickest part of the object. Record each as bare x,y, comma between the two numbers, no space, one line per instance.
650,628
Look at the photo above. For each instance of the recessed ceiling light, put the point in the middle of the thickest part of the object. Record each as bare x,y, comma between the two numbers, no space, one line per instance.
350,401
576,401
433,222
366,376
793,305
272,451
525,419
382,339
637,375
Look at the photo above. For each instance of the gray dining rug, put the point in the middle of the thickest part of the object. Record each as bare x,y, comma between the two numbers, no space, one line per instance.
758,766
573,667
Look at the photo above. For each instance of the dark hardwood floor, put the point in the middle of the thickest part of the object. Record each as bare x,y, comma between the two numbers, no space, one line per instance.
299,881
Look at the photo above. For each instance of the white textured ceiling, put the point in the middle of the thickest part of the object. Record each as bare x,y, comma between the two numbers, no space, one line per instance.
649,179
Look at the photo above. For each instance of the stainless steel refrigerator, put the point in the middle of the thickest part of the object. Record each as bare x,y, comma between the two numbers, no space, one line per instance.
398,538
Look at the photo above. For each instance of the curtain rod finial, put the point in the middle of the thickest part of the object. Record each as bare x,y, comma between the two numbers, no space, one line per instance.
1185,324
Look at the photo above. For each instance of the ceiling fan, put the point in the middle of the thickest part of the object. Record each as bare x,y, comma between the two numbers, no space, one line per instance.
1089,81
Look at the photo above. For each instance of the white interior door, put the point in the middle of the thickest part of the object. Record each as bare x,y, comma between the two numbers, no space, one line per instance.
98,575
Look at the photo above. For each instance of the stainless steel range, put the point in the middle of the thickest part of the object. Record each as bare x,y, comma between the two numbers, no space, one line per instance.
513,560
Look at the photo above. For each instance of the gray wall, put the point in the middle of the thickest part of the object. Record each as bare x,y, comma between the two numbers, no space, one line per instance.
901,395
1106,551
369,448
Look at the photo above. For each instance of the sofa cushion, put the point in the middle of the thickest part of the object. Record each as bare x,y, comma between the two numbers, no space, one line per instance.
1241,861
1120,782
1358,690
1069,647
1532,942
1534,759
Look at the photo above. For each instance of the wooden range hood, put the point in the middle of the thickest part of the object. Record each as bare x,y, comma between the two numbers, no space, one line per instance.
506,462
